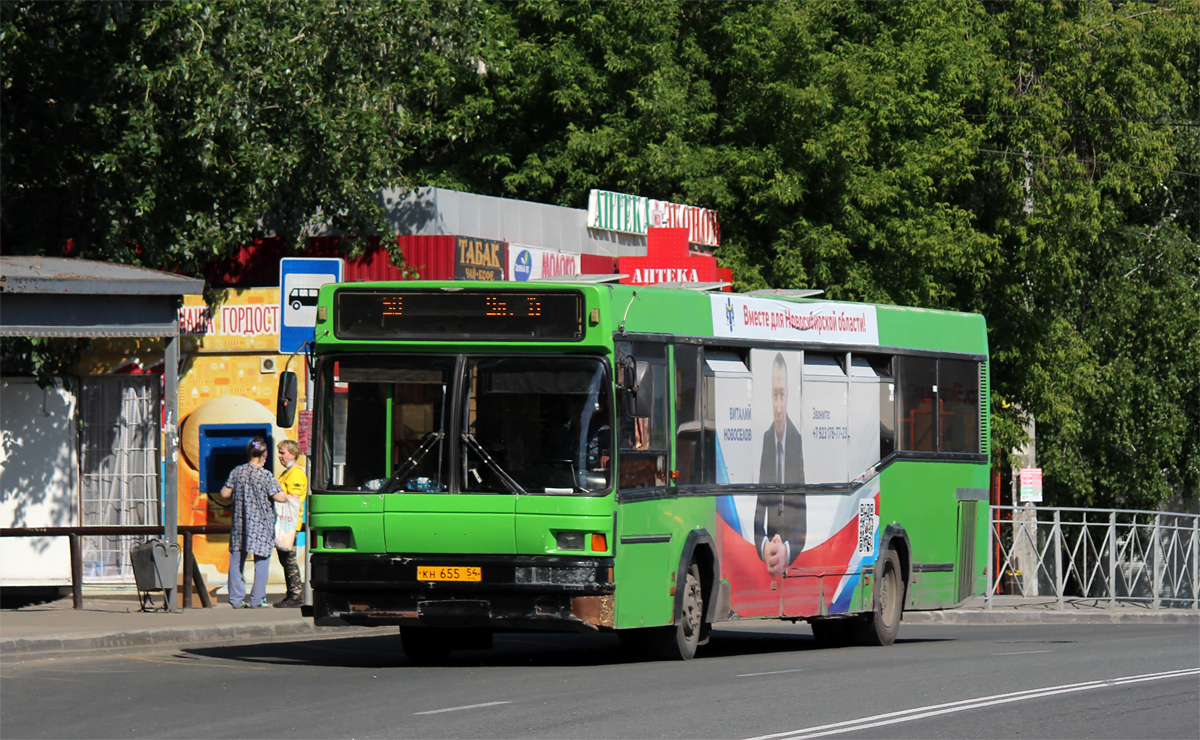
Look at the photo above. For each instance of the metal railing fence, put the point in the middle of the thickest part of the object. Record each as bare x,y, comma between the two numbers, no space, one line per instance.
191,571
1095,555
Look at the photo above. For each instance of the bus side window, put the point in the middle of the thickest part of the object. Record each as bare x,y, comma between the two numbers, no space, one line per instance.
882,365
643,445
866,416
958,391
689,433
918,419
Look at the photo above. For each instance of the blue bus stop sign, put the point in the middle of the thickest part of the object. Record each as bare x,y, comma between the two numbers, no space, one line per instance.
300,279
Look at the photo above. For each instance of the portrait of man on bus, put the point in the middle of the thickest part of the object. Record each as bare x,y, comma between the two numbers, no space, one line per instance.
779,519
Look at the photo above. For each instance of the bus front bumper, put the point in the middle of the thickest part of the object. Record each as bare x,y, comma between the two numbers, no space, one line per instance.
513,592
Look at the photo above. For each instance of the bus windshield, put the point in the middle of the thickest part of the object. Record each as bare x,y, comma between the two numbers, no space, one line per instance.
531,424
536,425
388,421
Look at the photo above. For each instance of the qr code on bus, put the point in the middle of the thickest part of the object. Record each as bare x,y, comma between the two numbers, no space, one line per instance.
866,527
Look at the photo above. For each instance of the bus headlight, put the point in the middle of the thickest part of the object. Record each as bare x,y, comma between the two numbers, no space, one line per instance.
568,540
337,539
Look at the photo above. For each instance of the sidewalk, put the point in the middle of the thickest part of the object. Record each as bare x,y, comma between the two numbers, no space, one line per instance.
108,623
1018,610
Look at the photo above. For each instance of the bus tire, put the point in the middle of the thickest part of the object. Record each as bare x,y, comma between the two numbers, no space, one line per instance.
680,640
881,626
425,645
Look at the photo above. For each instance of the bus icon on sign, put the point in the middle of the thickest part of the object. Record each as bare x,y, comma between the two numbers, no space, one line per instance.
303,297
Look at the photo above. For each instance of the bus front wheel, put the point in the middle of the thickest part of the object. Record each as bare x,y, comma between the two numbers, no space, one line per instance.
881,626
680,640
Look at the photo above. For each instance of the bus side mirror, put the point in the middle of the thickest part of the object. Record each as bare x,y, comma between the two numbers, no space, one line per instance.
285,404
627,375
643,391
635,382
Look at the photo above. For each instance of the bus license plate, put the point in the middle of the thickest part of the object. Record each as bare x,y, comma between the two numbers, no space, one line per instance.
447,573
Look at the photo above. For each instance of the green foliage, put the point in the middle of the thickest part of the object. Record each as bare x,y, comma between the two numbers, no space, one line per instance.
1020,159
1095,320
1033,161
48,360
166,134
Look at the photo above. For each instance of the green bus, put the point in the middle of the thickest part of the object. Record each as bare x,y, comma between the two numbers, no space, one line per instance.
650,460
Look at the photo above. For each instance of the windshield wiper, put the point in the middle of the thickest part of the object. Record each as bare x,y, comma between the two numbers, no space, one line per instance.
505,478
391,485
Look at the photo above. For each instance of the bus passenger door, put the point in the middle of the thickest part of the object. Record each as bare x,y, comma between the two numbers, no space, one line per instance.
646,538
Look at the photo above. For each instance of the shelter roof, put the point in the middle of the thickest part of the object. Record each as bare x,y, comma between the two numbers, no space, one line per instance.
58,275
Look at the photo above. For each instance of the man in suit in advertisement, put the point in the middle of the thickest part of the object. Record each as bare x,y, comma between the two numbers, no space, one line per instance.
779,519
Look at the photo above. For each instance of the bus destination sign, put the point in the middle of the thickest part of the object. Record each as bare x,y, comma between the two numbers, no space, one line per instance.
488,315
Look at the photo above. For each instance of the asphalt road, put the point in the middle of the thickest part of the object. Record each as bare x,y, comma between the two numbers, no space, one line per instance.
753,680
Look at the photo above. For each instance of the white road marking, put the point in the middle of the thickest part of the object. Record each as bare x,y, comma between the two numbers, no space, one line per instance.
469,706
908,715
769,673
1024,652
195,664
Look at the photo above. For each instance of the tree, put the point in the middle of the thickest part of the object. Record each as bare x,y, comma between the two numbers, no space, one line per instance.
999,157
1094,325
1033,161
166,134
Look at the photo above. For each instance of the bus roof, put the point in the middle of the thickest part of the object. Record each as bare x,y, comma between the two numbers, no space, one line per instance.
687,312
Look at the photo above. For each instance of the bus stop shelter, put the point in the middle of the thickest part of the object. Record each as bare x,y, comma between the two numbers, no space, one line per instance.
70,298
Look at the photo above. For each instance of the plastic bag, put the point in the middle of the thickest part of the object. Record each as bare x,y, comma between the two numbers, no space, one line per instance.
287,515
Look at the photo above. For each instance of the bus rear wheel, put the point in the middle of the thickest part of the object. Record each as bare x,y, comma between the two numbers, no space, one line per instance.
679,641
882,625
425,645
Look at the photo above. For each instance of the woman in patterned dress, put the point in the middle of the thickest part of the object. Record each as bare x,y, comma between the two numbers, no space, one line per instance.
252,488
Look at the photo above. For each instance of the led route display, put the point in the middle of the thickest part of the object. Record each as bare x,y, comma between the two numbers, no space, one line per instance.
459,314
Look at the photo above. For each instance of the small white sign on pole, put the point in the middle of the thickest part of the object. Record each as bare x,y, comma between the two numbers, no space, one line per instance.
1031,485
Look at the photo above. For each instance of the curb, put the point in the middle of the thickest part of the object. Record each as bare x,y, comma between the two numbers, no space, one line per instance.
82,643
58,645
1010,616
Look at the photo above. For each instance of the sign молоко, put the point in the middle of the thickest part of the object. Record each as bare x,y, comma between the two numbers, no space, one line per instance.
532,263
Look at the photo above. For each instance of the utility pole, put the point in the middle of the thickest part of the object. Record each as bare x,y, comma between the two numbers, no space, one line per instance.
1025,545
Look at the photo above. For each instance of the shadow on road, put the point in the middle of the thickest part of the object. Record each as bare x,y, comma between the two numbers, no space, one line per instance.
385,651
516,649
727,643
